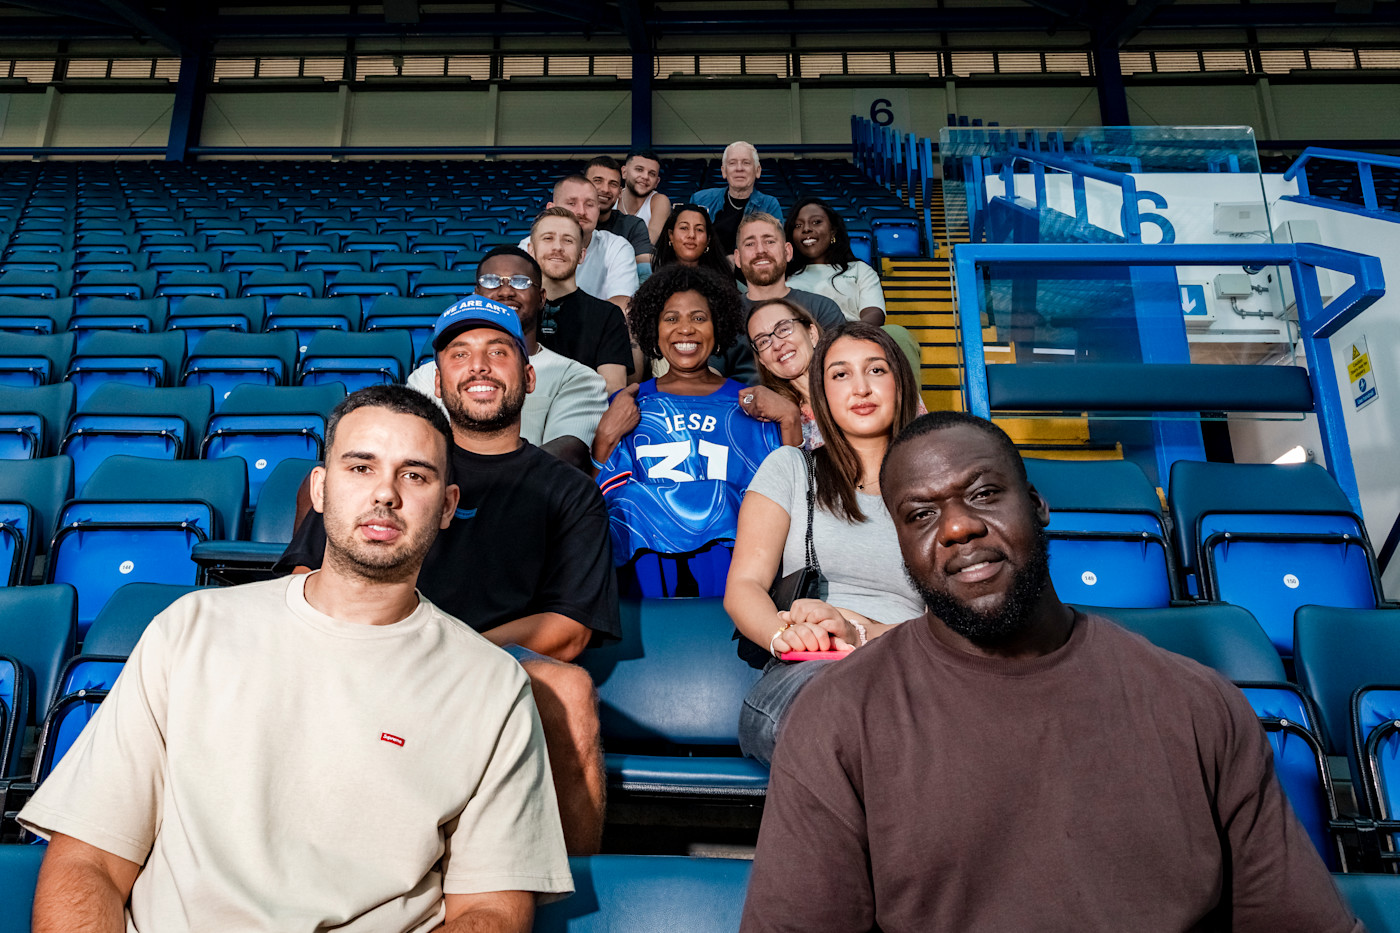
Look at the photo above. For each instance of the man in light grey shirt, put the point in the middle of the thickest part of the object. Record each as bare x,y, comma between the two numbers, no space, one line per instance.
562,413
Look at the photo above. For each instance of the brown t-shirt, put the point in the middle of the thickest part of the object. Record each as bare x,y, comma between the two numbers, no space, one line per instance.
1107,786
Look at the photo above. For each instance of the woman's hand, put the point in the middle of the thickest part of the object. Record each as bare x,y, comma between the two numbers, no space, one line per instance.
763,404
621,418
815,626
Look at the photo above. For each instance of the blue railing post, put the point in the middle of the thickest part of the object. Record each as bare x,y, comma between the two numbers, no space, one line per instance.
926,170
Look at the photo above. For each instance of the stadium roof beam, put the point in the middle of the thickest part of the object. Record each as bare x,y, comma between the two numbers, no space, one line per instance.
1132,20
142,21
78,9
588,12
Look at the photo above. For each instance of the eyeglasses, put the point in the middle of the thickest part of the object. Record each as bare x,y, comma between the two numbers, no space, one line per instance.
783,329
490,280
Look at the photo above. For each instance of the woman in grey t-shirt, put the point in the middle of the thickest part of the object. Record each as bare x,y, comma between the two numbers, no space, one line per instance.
864,396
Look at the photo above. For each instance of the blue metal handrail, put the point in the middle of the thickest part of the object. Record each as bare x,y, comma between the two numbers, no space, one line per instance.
1078,171
1363,161
1316,321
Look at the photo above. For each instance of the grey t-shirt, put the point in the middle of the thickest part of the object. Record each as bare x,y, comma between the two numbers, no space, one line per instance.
861,564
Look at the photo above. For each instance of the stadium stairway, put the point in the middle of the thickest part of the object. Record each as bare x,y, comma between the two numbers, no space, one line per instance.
919,297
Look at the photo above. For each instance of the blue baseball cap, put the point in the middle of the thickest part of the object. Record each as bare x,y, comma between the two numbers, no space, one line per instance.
475,311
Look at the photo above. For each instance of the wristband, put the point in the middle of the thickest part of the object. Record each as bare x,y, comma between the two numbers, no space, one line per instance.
596,464
860,631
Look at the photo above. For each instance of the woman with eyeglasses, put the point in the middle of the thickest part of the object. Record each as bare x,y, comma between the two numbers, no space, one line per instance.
686,239
862,394
675,453
784,338
822,262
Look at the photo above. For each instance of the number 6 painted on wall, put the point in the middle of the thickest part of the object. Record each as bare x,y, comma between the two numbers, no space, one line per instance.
1162,223
880,112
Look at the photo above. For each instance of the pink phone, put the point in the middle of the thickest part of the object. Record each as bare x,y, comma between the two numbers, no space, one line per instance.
814,655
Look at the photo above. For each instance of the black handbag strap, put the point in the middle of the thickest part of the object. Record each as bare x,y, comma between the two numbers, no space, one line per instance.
810,460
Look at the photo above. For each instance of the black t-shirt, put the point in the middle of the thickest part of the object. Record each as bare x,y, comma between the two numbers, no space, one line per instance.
530,535
587,329
726,222
632,228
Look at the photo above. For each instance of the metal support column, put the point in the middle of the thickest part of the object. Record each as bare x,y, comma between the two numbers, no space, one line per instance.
1108,73
187,116
642,65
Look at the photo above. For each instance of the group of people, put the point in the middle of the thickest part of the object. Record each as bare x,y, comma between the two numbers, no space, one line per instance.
393,737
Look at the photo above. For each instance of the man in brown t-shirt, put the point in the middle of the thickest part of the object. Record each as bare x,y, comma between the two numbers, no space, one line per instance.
1007,763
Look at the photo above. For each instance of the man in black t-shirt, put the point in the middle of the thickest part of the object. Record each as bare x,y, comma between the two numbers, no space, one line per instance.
573,322
526,560
606,176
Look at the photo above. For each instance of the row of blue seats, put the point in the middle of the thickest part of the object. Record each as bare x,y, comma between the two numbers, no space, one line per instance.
265,276
47,250
671,689
1268,538
660,894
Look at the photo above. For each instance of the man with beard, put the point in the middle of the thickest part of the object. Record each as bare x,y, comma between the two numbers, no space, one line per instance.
313,752
606,176
526,560
762,256
641,174
608,265
562,413
573,322
1007,762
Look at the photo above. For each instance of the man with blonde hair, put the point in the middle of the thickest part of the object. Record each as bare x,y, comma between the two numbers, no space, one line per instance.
737,197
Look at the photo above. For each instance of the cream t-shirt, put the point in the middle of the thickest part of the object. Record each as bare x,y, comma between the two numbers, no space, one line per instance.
273,768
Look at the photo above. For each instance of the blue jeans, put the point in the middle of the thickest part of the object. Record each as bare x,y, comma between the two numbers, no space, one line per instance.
768,702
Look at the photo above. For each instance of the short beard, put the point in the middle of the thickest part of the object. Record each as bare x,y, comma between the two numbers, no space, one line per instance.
506,414
776,275
370,563
1012,618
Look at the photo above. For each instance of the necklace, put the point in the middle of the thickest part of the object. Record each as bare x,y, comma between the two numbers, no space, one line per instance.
733,204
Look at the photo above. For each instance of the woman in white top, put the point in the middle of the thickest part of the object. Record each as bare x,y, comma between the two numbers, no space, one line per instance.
822,262
864,396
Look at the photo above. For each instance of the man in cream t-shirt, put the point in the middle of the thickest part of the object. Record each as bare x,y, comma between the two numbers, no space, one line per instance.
314,752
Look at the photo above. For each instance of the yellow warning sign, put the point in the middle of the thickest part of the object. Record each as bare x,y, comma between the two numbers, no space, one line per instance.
1359,366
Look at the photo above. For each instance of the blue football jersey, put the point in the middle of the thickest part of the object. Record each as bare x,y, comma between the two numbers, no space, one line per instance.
675,483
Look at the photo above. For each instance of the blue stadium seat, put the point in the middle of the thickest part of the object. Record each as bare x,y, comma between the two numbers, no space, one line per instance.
273,524
166,263
415,315
43,485
38,629
162,424
1375,899
273,286
95,259
265,425
176,287
299,244
414,264
19,873
448,246
237,239
1108,544
1339,650
38,262
366,285
1291,723
136,520
669,693
1225,638
332,264
649,894
125,315
1375,735
896,237
224,360
1271,538
30,360
357,360
305,316
17,530
450,284
149,360
375,244
130,285
62,726
36,284
32,419
197,315
35,316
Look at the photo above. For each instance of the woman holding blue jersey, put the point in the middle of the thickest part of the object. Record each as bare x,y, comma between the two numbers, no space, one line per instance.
862,394
674,454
